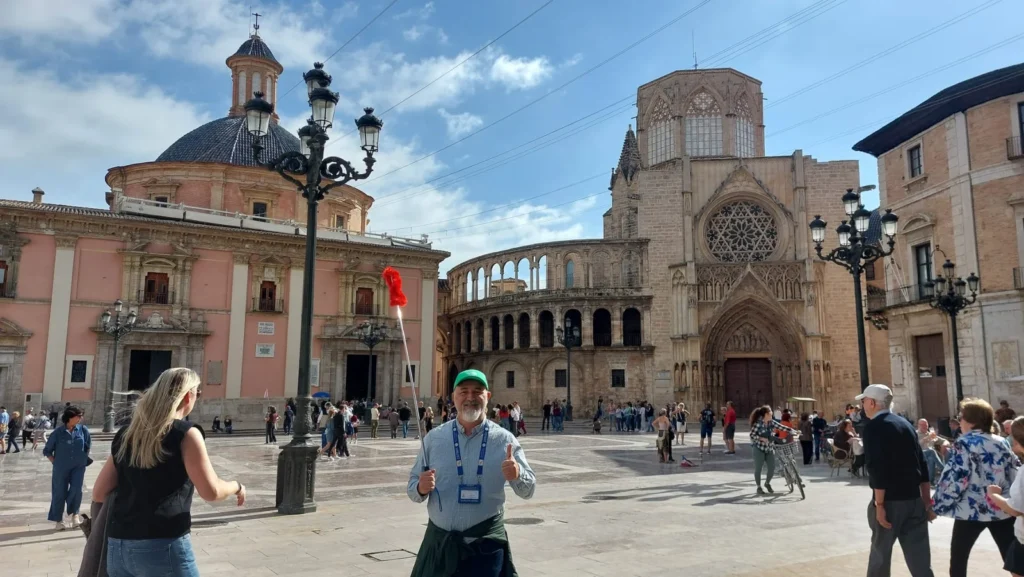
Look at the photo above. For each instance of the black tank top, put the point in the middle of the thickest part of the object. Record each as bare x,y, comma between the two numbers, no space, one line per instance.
153,503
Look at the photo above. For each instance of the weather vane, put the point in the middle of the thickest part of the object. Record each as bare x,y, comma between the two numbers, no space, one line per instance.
256,26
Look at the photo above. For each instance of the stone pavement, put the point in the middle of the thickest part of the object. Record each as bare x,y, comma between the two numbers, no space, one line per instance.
603,506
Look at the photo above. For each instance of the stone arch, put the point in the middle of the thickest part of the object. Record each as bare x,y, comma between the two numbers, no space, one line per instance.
632,327
508,329
546,324
753,353
660,135
575,375
453,371
602,328
746,131
501,393
524,273
469,336
917,222
458,338
479,335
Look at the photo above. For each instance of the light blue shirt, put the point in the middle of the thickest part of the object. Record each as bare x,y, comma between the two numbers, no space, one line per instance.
443,506
4,418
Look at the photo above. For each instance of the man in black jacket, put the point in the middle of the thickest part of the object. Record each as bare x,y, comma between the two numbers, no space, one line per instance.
901,507
545,423
404,414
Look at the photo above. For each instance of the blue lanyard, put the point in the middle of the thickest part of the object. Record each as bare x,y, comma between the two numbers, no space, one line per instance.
458,452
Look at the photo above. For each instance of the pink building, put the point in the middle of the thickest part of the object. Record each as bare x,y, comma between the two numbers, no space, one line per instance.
207,248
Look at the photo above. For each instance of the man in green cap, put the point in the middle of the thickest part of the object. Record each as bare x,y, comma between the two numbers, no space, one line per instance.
462,474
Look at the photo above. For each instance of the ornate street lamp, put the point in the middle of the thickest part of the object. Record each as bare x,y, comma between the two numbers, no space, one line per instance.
853,253
296,465
372,334
948,295
568,337
115,327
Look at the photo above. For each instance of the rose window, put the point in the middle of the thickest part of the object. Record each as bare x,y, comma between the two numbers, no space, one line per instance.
742,232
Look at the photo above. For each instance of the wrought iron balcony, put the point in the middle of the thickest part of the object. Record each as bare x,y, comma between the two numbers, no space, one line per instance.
1013,148
905,295
632,340
158,297
265,305
602,339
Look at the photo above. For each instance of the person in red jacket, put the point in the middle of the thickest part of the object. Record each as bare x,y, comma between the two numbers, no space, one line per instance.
729,435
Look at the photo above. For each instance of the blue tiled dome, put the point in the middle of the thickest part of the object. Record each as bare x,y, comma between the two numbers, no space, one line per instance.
255,46
227,141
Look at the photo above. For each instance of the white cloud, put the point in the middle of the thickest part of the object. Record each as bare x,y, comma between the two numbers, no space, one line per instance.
118,120
412,213
423,13
573,60
413,34
82,20
460,124
520,73
442,38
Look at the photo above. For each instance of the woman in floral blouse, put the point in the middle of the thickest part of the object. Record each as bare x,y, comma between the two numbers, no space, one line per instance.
976,460
762,438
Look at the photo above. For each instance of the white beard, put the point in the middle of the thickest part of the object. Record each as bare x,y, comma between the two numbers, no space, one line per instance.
471,414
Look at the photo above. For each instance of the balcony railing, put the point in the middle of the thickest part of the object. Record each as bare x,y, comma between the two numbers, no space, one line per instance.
160,297
893,298
1014,148
366,310
631,340
265,305
1018,278
602,339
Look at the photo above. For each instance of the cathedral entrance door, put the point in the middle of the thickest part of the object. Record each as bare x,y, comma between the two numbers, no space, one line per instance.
748,384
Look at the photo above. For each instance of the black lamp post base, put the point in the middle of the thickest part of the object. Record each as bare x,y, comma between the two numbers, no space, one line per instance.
568,412
108,420
296,479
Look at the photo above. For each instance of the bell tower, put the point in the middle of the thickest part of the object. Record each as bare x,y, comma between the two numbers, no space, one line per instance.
253,68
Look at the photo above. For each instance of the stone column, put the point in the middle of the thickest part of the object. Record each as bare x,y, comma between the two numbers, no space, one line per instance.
515,332
60,311
587,330
293,332
617,326
534,329
236,327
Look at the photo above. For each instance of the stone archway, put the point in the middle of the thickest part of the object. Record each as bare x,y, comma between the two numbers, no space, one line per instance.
753,354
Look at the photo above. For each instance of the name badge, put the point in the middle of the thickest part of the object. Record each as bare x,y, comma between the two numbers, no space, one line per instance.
469,494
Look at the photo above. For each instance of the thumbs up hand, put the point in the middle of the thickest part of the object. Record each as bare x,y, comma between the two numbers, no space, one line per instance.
509,467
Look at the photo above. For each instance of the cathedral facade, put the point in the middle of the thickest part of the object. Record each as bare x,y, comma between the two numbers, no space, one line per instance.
705,286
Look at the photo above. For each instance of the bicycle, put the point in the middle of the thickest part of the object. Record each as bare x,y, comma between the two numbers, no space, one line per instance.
785,464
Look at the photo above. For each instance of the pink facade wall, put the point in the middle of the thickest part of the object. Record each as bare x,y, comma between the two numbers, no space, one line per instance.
37,256
216,349
34,317
264,375
98,275
211,280
325,288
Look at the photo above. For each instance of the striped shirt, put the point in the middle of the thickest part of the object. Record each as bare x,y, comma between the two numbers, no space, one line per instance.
762,434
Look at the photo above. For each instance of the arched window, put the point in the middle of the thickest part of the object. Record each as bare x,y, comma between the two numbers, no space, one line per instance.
470,287
703,126
570,274
574,320
631,328
453,372
602,328
469,337
524,331
508,326
458,338
547,329
744,129
524,275
495,336
660,145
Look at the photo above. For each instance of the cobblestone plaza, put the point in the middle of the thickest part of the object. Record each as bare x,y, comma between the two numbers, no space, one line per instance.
603,506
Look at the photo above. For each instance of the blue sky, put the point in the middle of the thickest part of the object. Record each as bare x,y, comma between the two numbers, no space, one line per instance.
91,84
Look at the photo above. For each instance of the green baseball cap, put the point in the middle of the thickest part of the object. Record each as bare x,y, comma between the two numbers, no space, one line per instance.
472,375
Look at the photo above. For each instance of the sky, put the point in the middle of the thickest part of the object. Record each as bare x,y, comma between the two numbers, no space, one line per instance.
508,146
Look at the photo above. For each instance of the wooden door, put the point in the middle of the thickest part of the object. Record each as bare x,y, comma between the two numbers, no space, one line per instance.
748,384
931,377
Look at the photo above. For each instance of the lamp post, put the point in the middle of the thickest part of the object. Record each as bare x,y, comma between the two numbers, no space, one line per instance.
113,326
948,295
853,253
372,334
296,465
568,337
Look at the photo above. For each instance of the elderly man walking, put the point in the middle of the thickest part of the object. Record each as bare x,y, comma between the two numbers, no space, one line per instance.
901,506
465,497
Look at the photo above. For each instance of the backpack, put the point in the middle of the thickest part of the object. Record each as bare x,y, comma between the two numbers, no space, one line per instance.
707,417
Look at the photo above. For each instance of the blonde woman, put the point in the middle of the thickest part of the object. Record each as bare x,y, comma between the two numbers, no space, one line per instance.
680,418
156,464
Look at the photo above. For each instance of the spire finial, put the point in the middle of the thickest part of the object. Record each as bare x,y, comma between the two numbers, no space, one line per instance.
256,26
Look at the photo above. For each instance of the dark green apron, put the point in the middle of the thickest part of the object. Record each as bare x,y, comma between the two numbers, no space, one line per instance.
442,551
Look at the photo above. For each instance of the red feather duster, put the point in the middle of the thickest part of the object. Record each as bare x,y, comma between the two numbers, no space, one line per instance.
394,282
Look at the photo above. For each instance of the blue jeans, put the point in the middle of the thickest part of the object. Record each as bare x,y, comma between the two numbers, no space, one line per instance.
818,439
151,558
405,429
556,422
65,490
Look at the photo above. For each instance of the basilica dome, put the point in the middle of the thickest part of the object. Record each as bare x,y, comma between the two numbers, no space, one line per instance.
227,141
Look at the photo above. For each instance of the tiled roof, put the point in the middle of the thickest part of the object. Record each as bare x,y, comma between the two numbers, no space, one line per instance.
956,98
227,141
255,46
